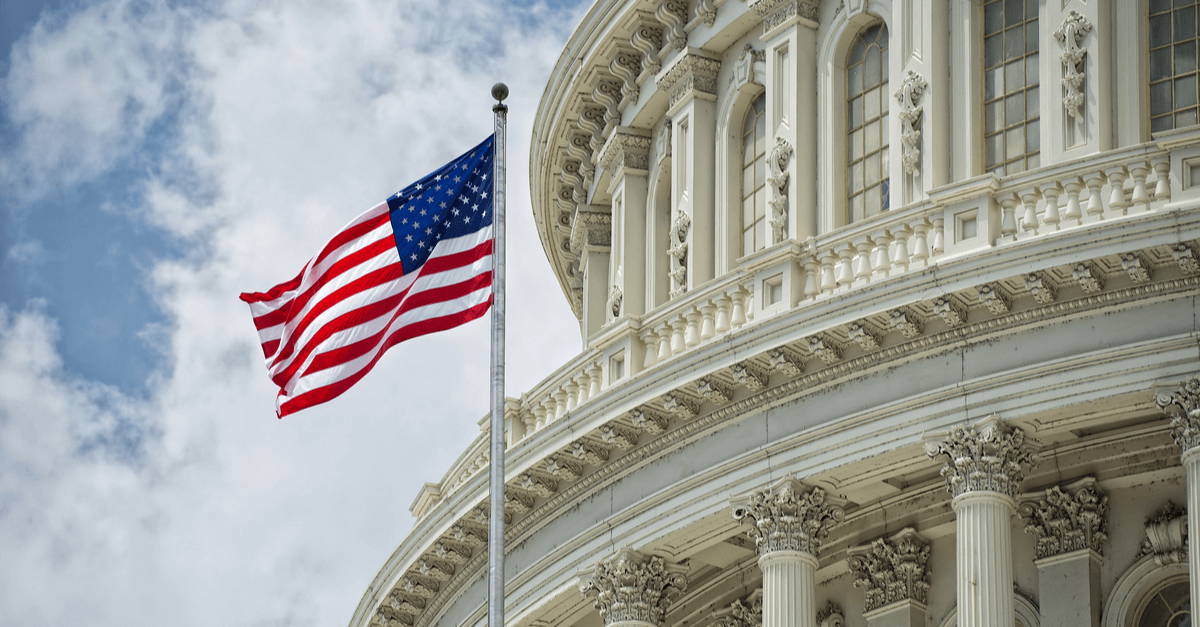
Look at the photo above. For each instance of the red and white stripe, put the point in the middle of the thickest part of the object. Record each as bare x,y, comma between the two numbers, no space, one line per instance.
324,330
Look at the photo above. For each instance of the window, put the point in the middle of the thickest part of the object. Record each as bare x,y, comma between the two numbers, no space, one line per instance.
867,102
1169,606
1173,89
1011,111
754,177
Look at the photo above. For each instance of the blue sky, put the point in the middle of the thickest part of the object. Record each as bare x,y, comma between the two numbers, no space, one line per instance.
158,159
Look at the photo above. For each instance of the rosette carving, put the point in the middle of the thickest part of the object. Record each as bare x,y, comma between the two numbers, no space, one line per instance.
787,516
630,586
1185,425
1067,520
892,570
989,456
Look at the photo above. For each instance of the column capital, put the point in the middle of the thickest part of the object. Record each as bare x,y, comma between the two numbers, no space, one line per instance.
692,74
892,569
1166,535
779,14
626,151
630,586
787,516
1185,422
591,226
1066,520
746,612
988,456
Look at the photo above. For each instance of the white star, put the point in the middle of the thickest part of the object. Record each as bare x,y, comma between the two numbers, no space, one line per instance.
419,186
474,207
408,237
414,257
456,212
483,195
423,212
429,231
421,244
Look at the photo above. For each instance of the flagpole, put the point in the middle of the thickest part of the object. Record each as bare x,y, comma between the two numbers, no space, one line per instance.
496,517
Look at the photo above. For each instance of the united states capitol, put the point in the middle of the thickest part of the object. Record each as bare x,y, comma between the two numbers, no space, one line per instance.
889,319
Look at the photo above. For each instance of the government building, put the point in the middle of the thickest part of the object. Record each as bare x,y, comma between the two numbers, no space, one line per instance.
889,312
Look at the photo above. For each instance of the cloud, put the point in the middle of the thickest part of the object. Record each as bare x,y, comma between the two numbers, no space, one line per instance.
30,253
266,126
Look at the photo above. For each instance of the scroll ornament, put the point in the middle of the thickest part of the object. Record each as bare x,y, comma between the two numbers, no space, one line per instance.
910,92
1069,36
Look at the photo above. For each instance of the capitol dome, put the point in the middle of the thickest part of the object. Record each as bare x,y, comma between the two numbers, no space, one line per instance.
889,313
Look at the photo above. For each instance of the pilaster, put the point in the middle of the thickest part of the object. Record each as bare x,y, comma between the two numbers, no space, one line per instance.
1077,69
966,75
790,35
1071,527
633,590
591,237
626,160
919,67
788,521
1184,406
983,466
690,82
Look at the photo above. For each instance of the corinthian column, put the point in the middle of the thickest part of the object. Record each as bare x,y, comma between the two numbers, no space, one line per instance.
787,522
1185,428
633,590
983,468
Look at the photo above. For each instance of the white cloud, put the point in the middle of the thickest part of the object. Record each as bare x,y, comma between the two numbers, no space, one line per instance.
195,506
29,252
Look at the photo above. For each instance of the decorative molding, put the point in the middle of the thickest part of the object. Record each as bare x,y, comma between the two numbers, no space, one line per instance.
662,142
776,13
777,176
988,456
706,12
892,570
1136,266
1069,35
590,228
1088,277
953,314
690,74
679,405
680,228
538,485
619,436
787,516
713,390
564,468
648,420
786,361
1185,256
630,586
749,376
1068,520
647,39
627,66
906,322
612,309
862,335
1185,424
826,349
1040,287
589,452
1166,535
626,150
992,296
910,92
673,15
746,612
830,615
750,68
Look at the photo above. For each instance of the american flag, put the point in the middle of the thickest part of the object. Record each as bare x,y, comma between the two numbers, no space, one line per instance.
417,263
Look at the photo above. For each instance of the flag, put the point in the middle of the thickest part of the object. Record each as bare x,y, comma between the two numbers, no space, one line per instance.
417,263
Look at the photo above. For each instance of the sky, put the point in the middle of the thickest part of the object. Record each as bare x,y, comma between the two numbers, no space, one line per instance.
159,157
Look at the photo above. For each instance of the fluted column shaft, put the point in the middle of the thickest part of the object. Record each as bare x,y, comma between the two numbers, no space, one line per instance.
1185,429
789,589
1191,465
984,562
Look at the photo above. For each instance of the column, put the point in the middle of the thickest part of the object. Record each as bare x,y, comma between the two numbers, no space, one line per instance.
984,465
788,521
591,236
790,35
1071,526
633,590
894,575
626,159
1184,406
691,85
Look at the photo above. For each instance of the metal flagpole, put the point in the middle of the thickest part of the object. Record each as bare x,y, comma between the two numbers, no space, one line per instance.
496,518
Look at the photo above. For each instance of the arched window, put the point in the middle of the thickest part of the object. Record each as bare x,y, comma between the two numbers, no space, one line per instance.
867,124
1011,111
754,177
1173,78
1169,606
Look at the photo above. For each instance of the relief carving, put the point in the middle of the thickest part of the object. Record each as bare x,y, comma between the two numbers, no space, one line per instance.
630,586
892,570
787,516
1069,35
989,456
909,94
1067,520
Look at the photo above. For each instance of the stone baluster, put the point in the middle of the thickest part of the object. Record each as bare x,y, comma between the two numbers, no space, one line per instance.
828,279
894,574
691,335
788,521
1029,219
595,373
707,329
649,346
572,393
812,281
531,418
1051,191
560,403
633,590
862,258
1074,212
1162,171
748,297
1095,205
984,466
548,409
1140,199
1008,216
678,330
1185,428
739,308
664,341
883,260
1116,183
920,248
900,237
845,265
939,236
724,302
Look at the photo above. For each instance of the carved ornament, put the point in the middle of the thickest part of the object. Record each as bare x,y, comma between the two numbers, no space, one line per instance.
1067,520
1070,35
744,73
673,15
892,570
746,612
831,615
630,586
690,74
647,39
776,13
590,228
787,516
626,150
613,309
951,312
909,94
777,176
988,456
1166,535
1185,423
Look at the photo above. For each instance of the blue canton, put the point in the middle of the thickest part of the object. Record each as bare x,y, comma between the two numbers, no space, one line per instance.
455,200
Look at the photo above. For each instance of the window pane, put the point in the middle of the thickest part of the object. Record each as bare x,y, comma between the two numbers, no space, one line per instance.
856,208
1014,43
871,68
856,53
883,37
1014,109
1185,23
854,80
760,143
1184,3
993,149
1014,76
1014,140
856,175
760,177
748,149
871,170
885,101
760,203
993,50
993,84
760,234
1032,104
748,211
854,113
886,189
1160,28
1156,613
1185,118
747,179
1185,57
871,104
883,162
1031,37
1185,92
748,242
1160,63
1014,12
1033,161
1160,98
993,17
1031,70
1016,167
1158,6
1033,137
883,131
872,138
874,201
1031,9
1160,124
856,145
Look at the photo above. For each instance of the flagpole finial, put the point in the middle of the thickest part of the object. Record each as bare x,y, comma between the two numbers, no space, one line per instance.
499,92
